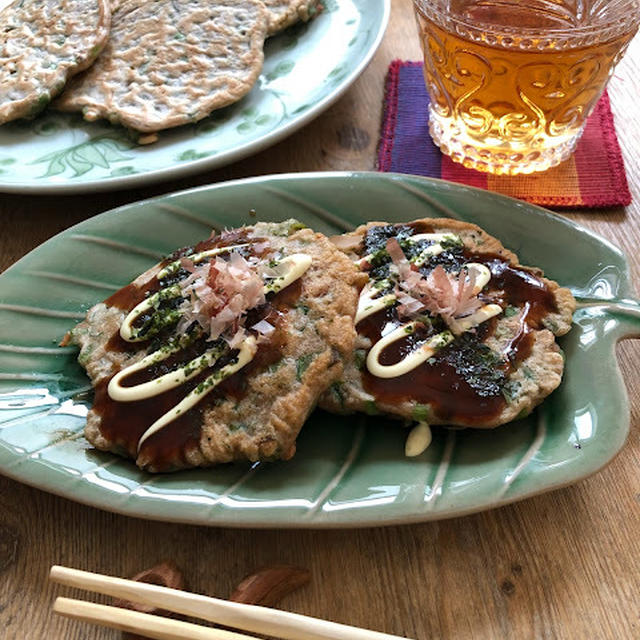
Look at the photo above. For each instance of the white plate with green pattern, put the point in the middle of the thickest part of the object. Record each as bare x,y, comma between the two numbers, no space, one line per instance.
307,68
348,471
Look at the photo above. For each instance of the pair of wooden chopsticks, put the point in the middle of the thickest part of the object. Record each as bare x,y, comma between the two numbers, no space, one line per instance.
262,620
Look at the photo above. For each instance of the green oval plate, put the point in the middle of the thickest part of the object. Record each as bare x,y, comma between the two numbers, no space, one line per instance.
301,77
348,471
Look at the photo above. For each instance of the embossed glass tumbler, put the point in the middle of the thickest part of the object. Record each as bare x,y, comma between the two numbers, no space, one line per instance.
511,83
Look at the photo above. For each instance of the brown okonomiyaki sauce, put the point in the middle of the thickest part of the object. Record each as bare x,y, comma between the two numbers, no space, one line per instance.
124,423
452,380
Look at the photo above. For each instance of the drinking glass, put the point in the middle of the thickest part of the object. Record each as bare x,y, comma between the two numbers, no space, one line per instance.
512,83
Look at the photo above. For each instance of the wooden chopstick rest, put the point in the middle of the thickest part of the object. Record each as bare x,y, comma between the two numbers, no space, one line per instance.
165,574
267,586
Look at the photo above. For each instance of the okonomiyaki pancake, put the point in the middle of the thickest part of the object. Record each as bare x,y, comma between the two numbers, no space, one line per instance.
451,328
42,44
171,62
284,13
220,352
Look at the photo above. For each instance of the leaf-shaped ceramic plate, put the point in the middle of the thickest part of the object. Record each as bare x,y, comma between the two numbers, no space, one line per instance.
348,471
306,69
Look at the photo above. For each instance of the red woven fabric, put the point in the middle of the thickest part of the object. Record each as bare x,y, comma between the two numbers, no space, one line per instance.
593,176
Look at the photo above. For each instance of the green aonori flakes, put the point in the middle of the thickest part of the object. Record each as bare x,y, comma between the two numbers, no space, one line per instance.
421,413
302,364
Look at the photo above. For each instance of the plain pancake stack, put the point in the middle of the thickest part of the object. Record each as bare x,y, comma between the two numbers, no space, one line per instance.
153,65
43,44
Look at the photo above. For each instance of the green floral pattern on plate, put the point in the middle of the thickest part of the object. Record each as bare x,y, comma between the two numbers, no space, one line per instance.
300,78
100,152
348,471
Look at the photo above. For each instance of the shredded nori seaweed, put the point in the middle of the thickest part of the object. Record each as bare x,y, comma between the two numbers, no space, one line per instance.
376,237
452,258
483,369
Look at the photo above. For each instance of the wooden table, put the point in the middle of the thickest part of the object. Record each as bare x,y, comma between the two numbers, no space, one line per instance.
561,565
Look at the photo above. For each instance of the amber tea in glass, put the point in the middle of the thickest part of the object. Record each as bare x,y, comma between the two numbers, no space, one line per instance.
512,83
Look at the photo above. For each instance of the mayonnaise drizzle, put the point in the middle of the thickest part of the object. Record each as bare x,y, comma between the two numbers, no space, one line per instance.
411,360
127,331
172,267
482,275
473,320
371,302
418,440
295,265
432,250
163,383
245,355
286,271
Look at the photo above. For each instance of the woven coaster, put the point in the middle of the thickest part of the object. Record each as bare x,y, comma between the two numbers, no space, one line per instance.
593,176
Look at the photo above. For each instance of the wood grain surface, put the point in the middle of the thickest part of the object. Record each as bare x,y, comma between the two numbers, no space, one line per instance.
561,565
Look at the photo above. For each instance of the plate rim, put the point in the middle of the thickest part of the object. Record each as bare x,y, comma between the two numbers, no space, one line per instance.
193,167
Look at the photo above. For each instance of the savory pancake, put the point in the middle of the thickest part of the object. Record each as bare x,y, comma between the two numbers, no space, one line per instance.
220,352
284,13
42,44
451,328
171,62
